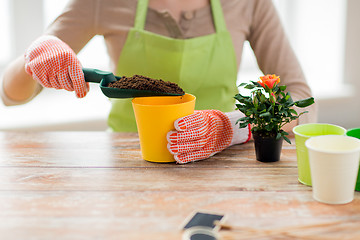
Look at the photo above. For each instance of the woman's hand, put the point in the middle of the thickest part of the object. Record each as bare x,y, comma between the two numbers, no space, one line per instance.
199,135
54,64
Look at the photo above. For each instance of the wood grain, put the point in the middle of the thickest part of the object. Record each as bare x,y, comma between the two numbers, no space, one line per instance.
95,185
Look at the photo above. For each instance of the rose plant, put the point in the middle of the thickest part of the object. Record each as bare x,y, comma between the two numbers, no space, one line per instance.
268,108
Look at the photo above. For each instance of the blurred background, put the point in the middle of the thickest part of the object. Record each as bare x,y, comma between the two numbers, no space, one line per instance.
325,35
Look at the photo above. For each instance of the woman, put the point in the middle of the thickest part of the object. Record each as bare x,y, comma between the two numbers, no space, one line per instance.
195,43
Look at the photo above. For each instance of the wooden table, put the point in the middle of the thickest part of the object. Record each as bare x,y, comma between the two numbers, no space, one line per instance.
95,185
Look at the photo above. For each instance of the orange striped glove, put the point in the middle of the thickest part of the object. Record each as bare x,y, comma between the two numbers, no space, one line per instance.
54,64
203,134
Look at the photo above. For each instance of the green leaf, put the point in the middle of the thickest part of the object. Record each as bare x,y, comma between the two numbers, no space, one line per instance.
256,84
267,128
305,102
241,120
304,112
267,89
288,98
242,98
287,139
293,111
239,105
264,115
249,86
262,99
254,129
244,124
282,87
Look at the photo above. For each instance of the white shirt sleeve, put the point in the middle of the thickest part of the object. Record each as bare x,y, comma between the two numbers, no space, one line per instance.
240,135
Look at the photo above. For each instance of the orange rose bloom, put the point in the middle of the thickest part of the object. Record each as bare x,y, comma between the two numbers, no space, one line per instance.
269,80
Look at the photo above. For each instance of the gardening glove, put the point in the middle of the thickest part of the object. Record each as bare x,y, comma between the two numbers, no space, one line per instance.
54,64
203,134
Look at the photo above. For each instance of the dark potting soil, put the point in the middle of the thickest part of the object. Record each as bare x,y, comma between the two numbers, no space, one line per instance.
140,82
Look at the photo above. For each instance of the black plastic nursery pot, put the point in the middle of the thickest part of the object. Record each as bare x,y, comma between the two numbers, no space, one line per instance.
267,148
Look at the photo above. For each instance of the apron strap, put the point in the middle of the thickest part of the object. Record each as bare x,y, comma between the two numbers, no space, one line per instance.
140,17
216,8
218,16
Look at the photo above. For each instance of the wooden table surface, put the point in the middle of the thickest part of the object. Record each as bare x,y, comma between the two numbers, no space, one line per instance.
95,185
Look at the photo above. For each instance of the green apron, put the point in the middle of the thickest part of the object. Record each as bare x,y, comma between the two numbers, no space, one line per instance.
203,66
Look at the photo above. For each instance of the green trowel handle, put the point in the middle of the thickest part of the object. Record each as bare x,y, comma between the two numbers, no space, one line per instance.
95,75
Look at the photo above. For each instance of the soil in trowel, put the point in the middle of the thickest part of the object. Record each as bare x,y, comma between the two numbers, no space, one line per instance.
140,82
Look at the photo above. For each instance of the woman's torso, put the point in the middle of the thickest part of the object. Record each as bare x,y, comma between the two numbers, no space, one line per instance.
114,19
252,20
